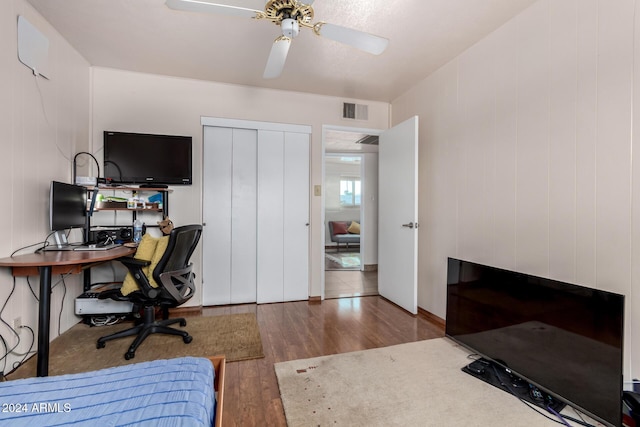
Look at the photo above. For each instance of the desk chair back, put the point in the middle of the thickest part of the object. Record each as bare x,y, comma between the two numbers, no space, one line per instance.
173,272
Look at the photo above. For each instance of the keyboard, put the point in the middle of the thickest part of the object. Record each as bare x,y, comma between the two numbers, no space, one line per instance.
97,247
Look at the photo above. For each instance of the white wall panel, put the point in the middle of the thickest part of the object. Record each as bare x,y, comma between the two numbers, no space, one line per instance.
562,139
613,145
506,137
476,195
432,171
445,162
613,152
563,184
586,134
532,182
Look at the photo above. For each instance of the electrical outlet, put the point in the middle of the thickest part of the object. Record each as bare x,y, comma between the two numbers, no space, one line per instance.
17,322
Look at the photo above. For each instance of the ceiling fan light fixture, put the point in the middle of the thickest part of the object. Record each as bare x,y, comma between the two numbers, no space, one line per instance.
290,15
290,28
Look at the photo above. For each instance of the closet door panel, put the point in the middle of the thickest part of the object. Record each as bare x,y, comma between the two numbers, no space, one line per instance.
243,216
296,216
216,234
270,219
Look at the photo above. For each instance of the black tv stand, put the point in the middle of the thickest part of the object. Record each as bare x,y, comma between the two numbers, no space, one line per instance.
153,186
494,374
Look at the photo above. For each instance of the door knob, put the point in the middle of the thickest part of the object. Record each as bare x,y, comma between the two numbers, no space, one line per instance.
410,225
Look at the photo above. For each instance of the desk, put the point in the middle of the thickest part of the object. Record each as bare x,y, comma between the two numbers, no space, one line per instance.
55,262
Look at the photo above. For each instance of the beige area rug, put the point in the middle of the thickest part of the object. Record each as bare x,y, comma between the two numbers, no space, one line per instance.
235,336
415,384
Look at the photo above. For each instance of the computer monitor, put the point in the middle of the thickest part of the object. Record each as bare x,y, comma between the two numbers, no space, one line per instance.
67,209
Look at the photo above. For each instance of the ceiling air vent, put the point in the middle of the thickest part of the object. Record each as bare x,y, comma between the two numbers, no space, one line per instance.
355,111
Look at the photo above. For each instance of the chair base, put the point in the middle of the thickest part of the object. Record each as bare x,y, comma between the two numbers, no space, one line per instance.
143,330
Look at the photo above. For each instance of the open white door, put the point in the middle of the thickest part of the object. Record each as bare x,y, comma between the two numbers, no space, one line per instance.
398,215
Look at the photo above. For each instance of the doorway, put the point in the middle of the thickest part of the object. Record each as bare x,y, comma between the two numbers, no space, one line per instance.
350,169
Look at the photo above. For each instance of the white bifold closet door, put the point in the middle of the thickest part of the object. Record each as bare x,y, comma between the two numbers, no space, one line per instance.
256,215
229,249
283,216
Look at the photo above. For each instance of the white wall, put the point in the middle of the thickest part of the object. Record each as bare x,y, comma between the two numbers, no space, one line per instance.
527,157
136,102
44,123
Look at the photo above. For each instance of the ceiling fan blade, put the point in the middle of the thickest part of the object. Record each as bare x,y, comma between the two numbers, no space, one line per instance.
212,7
277,57
358,39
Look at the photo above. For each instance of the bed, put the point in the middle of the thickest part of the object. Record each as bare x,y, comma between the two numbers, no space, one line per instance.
186,391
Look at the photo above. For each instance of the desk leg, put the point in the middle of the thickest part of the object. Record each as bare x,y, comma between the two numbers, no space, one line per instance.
44,310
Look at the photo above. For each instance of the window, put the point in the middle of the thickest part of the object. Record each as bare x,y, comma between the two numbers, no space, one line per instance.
350,193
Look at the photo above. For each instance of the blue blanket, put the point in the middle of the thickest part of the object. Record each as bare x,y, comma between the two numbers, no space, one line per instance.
175,392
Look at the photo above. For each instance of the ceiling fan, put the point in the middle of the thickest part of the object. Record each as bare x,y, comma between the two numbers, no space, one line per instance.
290,15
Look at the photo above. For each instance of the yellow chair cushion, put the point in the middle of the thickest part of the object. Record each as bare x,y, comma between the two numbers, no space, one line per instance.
161,247
146,251
354,228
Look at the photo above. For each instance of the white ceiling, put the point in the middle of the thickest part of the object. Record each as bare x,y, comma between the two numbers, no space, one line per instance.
146,36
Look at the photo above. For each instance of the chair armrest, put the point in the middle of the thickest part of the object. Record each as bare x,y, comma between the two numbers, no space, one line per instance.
135,265
134,262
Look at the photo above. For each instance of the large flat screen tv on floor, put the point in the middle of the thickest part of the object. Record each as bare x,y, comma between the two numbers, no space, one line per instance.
562,339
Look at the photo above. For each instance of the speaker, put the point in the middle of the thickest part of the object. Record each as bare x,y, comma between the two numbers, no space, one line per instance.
104,235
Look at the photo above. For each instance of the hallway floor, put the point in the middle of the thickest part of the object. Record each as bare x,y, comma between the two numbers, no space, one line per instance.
349,283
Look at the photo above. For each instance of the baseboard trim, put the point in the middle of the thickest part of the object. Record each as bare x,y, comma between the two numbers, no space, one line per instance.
432,318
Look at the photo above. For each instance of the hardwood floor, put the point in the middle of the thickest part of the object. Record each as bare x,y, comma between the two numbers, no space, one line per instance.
298,330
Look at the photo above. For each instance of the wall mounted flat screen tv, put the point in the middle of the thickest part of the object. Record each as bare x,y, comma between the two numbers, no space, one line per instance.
137,158
563,338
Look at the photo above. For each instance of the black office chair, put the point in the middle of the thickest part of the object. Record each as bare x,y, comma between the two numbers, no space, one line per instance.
175,286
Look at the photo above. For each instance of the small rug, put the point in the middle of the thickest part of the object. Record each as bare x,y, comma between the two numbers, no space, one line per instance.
236,336
414,384
343,261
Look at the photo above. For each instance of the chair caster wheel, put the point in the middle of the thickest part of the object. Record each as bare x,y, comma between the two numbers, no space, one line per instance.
100,345
129,355
183,323
187,339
